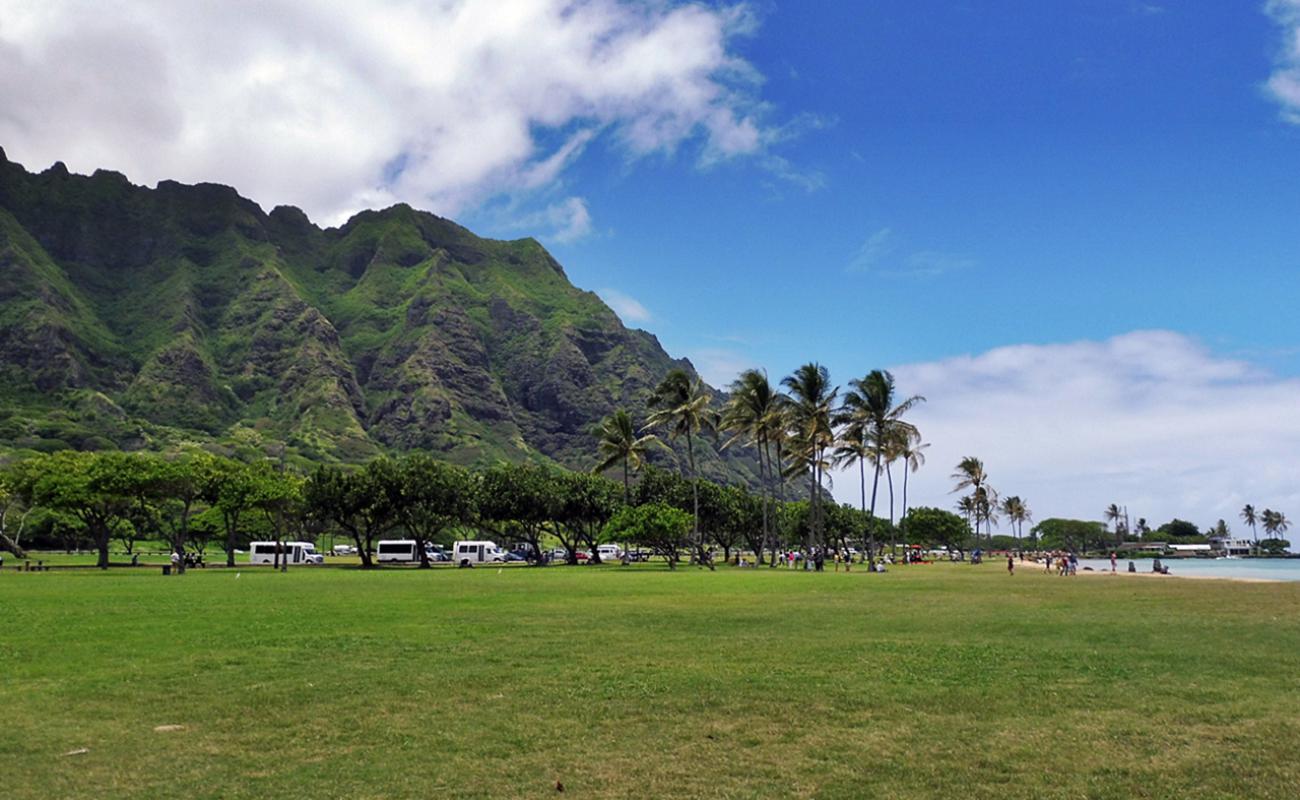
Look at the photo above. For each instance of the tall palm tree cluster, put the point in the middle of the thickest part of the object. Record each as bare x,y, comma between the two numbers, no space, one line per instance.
1273,522
982,505
800,429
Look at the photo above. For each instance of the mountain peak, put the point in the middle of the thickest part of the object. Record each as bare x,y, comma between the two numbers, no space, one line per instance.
205,319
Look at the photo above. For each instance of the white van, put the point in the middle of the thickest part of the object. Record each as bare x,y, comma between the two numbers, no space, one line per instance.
476,553
344,550
609,552
294,553
398,551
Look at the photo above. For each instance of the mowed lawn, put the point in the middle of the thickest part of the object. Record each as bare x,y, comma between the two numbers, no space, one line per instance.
930,681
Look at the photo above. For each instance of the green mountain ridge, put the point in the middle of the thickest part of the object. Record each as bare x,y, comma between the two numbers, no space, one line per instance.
145,318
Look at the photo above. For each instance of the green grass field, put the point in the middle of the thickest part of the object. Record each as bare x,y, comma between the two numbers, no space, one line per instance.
932,681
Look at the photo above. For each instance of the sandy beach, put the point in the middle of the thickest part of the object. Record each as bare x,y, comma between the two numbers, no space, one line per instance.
1122,570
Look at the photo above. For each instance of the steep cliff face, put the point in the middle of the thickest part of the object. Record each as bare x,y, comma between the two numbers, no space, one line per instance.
135,317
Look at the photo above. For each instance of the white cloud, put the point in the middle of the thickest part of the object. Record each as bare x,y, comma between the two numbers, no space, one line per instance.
883,254
1150,419
336,106
1284,83
627,308
719,366
872,252
565,221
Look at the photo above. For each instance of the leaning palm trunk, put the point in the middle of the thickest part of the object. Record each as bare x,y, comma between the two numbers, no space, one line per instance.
862,481
902,519
762,479
893,533
807,540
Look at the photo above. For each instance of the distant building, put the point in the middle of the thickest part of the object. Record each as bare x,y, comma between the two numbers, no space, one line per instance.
1190,549
1143,547
1227,546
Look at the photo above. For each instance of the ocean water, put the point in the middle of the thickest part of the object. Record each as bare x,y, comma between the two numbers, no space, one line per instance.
1273,569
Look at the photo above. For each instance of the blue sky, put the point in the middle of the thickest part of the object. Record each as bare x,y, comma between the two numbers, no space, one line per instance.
1074,226
1029,172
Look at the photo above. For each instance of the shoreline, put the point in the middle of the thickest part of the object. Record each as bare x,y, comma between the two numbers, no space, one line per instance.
1149,574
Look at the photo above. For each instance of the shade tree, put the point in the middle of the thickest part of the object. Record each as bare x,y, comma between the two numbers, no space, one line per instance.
521,500
661,528
435,497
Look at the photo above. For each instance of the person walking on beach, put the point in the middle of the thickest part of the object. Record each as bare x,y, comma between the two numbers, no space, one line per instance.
1011,565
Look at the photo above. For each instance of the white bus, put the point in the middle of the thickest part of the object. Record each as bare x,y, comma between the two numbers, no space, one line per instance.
398,551
293,553
479,552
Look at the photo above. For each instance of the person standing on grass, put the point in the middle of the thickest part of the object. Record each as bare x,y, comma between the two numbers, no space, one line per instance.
176,563
1011,565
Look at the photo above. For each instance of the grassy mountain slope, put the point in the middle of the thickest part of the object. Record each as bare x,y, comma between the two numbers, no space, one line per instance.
134,317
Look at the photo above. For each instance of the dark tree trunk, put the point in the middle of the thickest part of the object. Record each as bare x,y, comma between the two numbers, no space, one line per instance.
101,542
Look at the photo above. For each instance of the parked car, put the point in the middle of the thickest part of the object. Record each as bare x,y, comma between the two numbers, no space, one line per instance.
560,554
514,556
610,552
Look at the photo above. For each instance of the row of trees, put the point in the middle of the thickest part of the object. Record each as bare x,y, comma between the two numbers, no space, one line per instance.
193,498
1274,523
799,429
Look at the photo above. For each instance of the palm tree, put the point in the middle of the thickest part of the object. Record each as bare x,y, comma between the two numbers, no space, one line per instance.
812,432
986,507
913,455
748,415
778,433
617,442
1275,523
1248,517
970,474
681,404
873,399
966,505
1114,514
1017,513
900,438
853,448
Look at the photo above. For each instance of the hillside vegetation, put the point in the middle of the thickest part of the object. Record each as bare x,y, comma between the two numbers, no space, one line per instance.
137,318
